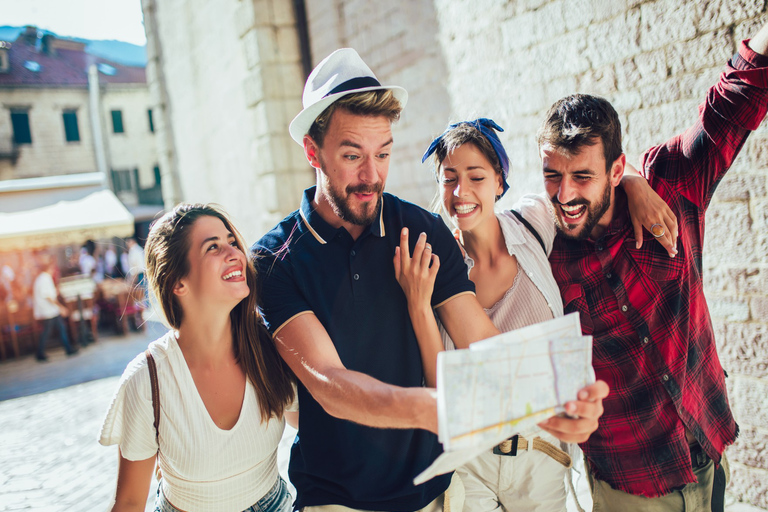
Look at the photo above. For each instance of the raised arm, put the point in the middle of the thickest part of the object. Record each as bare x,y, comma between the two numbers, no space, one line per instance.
694,162
305,345
416,276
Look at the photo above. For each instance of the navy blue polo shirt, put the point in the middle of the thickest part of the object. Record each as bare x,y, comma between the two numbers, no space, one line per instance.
306,265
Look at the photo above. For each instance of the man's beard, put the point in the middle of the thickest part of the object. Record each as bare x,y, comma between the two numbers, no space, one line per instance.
340,201
594,213
369,210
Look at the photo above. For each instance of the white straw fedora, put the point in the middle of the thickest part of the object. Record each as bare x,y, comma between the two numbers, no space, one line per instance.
342,72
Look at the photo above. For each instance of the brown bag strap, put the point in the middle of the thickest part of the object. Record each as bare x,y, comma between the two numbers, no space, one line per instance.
155,392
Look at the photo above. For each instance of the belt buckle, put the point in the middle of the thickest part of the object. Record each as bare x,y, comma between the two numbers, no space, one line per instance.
699,457
513,451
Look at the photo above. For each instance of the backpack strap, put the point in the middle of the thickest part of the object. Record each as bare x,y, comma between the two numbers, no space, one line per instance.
530,228
155,392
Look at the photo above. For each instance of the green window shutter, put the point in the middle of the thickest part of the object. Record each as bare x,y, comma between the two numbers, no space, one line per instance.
71,131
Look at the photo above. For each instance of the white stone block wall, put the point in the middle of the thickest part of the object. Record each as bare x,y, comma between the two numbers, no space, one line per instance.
398,41
49,153
135,148
654,60
228,87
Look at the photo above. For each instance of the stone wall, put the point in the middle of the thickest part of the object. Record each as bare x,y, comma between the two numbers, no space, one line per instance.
398,41
654,60
50,154
135,147
226,80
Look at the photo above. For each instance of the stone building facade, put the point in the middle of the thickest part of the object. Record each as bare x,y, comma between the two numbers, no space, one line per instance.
56,119
236,71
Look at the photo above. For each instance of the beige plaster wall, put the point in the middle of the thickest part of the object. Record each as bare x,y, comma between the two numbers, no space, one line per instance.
50,154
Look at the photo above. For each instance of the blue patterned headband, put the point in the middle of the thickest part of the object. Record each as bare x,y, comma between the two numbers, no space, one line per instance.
488,128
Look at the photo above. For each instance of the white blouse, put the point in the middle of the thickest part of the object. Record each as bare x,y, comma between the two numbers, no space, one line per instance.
532,260
534,297
204,467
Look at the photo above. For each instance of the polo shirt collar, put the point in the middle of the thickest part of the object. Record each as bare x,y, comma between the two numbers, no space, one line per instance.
321,230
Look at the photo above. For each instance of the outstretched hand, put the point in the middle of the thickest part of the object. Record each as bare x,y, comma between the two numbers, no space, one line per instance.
581,417
416,274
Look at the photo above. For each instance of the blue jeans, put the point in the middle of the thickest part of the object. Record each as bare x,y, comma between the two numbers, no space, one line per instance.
277,499
48,324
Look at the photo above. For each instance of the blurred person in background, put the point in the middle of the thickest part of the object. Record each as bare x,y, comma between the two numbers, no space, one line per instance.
87,262
48,310
7,276
135,260
110,262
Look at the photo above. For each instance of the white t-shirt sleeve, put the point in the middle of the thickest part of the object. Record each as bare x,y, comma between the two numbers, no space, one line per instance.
130,418
536,210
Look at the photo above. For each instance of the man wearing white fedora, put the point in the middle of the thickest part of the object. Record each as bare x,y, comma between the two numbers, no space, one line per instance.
340,318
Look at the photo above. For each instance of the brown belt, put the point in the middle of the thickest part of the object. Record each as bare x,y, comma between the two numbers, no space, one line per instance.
515,443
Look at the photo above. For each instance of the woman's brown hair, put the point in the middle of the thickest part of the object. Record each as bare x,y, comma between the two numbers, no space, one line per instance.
166,252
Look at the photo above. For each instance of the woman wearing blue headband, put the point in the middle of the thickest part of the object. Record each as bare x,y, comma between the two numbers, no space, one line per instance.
507,259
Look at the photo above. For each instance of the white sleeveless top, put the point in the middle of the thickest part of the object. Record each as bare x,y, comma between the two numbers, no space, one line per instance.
204,467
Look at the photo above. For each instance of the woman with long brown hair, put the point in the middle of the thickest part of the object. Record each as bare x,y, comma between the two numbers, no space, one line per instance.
222,388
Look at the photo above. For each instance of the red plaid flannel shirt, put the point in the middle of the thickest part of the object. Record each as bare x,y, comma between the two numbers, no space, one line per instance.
653,338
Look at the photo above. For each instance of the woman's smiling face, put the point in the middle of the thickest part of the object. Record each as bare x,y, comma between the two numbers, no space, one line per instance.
469,186
216,263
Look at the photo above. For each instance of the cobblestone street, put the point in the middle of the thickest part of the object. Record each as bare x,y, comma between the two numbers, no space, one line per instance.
50,416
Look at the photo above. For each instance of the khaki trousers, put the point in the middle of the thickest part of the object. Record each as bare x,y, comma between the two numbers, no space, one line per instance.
531,481
694,497
454,503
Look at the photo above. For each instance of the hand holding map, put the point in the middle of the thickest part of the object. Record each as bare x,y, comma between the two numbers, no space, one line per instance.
505,385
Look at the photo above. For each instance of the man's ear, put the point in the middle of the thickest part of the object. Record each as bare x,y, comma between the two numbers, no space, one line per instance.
311,151
617,170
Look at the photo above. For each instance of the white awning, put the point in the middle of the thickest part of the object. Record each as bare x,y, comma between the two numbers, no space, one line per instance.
98,215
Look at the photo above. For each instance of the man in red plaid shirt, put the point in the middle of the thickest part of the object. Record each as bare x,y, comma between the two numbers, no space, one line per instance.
667,420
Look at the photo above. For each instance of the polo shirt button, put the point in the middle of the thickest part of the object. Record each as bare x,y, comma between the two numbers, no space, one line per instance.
356,277
665,377
624,308
645,340
353,253
599,247
609,275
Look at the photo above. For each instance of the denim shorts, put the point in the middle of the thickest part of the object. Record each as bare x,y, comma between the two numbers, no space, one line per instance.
277,499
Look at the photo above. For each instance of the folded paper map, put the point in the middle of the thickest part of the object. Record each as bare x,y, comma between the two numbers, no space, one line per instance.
505,385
